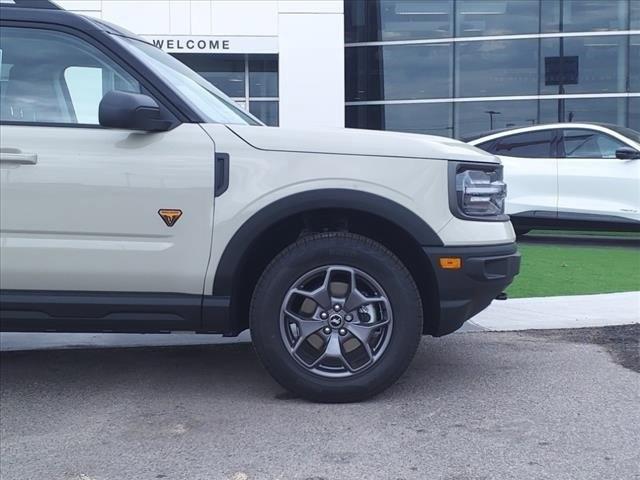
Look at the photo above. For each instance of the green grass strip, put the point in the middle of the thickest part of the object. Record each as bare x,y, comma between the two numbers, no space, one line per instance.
551,270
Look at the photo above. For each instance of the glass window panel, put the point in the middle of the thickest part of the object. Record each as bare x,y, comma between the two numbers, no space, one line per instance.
263,75
634,9
225,72
587,16
601,63
589,144
505,67
45,65
634,63
430,118
604,110
374,20
526,145
477,117
634,113
266,111
496,17
399,72
550,15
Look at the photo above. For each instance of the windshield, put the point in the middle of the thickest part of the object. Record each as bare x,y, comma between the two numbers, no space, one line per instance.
213,105
627,132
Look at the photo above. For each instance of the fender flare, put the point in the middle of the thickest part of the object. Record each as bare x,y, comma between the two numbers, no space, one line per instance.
242,240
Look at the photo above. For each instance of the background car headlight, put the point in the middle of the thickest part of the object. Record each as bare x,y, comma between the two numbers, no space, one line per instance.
480,191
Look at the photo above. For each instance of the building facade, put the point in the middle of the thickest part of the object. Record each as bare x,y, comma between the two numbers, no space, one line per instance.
443,67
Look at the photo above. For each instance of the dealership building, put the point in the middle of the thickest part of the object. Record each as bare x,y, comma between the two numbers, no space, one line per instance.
443,67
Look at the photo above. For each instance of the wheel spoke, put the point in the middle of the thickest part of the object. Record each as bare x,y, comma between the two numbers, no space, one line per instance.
357,300
320,295
363,331
332,350
306,328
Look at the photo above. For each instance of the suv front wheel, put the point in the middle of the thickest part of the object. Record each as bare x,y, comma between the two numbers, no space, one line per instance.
336,317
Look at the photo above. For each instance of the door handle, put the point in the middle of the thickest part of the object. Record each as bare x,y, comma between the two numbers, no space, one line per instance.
13,155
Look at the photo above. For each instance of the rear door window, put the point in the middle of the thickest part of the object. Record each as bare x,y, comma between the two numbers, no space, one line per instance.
536,144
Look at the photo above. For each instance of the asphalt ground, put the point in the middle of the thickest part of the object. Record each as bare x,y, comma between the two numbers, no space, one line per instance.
482,405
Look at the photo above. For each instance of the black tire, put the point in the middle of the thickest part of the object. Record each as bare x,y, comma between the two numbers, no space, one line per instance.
351,250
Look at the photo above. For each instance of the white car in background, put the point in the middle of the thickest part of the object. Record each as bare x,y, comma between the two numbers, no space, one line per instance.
569,175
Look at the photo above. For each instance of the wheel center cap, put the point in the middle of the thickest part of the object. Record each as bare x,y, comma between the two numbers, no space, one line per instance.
335,321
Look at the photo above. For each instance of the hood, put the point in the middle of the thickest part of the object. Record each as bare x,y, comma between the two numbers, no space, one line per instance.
350,141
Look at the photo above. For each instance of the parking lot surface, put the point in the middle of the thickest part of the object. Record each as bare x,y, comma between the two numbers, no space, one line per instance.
479,405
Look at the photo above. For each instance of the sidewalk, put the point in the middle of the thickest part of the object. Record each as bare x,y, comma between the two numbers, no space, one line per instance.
517,314
575,311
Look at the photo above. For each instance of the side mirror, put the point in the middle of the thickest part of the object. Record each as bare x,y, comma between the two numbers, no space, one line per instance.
627,153
131,111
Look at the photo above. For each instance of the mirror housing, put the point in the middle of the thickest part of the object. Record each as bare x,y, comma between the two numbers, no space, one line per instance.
131,111
627,153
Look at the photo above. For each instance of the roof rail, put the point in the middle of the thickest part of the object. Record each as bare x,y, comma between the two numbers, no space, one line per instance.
43,4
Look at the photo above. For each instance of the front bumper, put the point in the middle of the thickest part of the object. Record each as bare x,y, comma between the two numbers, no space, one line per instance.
485,272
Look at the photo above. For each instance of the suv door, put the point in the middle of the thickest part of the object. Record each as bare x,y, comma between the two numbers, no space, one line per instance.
80,203
530,171
592,181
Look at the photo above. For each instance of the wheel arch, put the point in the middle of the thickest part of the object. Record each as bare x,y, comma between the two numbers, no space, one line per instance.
282,222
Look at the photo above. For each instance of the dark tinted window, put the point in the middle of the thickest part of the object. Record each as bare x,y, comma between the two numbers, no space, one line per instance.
432,119
589,144
601,110
373,20
399,72
266,111
601,64
478,117
584,15
527,145
475,18
497,67
263,75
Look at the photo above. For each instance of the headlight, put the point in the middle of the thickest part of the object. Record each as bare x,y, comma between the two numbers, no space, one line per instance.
479,191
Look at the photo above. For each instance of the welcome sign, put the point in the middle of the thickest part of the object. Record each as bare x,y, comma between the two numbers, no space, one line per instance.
213,44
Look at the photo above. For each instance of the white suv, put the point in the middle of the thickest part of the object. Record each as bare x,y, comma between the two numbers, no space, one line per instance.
135,197
570,175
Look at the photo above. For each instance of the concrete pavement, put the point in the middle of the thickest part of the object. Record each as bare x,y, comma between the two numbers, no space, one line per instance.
552,405
576,311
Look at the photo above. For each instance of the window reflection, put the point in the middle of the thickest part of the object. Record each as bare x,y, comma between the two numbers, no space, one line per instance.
263,75
606,110
601,63
399,72
374,20
634,63
584,15
497,67
634,10
266,111
496,17
225,72
477,117
431,118
634,113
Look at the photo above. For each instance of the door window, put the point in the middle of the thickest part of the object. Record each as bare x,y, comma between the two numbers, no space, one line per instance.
589,144
54,77
536,144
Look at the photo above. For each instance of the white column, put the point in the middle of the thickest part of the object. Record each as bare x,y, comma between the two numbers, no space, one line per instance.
311,37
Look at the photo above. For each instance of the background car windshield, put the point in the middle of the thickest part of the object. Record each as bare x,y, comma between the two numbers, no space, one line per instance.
627,132
203,97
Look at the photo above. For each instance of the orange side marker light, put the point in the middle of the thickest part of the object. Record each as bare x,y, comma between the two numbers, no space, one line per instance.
450,263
